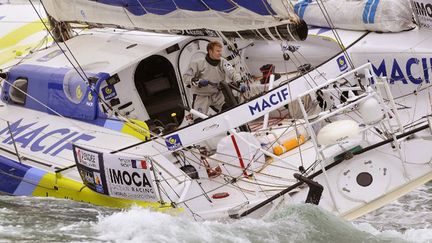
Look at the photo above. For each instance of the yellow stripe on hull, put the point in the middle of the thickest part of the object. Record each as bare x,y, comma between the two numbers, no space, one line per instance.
52,185
21,33
12,53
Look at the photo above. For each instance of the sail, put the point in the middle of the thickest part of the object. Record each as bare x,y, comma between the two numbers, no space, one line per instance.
372,15
177,15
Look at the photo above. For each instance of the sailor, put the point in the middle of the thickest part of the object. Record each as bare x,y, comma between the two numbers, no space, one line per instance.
204,77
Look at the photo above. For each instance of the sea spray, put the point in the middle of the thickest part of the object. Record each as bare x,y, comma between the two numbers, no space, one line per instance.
294,223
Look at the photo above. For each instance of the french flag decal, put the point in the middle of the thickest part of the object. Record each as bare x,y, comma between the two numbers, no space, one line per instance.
139,164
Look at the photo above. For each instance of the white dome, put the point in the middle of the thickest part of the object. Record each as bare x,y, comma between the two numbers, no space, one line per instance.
337,132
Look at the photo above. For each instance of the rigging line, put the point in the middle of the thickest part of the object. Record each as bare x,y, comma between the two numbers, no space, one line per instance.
244,170
69,120
257,172
220,161
300,74
414,92
290,7
259,185
18,22
415,109
310,76
268,10
332,26
214,189
234,52
265,183
208,198
315,68
416,122
236,186
236,166
295,126
32,157
23,179
58,45
234,182
173,204
276,141
88,145
335,33
42,104
86,80
145,10
78,72
200,195
227,183
32,51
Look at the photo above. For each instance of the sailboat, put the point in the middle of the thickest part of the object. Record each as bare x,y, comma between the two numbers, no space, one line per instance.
104,117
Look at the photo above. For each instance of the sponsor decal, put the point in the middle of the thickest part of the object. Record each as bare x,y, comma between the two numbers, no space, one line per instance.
90,165
173,142
78,92
423,13
109,92
341,61
98,182
41,138
87,158
411,70
89,101
266,102
114,175
128,178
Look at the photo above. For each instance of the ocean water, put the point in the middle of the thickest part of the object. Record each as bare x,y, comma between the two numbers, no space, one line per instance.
27,219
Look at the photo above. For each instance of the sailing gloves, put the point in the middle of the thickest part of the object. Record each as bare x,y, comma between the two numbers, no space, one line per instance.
203,83
200,82
242,87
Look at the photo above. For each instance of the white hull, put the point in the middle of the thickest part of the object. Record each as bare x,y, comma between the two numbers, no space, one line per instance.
44,140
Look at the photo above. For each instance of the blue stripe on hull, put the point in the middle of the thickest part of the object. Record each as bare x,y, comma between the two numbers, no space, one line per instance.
11,174
30,181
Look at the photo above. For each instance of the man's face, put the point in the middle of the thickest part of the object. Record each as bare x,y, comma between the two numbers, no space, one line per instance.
216,53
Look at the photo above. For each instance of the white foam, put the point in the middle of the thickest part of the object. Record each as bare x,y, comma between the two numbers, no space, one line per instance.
303,223
142,225
6,211
411,235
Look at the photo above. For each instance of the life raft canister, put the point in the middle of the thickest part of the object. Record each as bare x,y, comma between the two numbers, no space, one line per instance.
289,144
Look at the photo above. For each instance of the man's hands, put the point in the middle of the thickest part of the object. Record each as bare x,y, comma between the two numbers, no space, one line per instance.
200,82
243,87
203,83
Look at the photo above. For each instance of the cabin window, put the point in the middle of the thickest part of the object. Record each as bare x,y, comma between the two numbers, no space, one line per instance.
74,87
156,83
18,90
